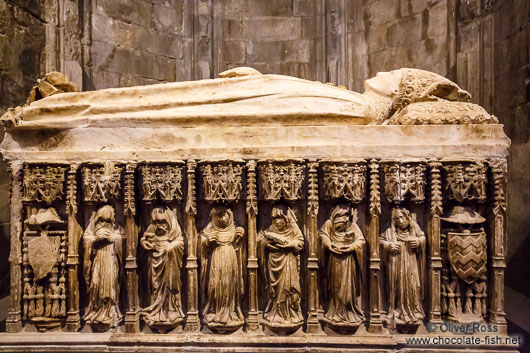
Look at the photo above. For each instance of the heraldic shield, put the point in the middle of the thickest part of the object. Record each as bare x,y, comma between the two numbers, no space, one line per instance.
467,254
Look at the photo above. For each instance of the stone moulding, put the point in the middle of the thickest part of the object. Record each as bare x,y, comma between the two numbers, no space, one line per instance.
167,191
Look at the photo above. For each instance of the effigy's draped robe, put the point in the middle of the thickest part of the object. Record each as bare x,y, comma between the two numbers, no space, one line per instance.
165,264
221,275
343,274
405,275
282,275
102,267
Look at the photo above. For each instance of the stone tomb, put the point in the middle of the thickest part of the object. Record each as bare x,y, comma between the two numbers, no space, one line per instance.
254,213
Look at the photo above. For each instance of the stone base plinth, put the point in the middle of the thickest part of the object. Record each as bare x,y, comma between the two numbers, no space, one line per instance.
119,342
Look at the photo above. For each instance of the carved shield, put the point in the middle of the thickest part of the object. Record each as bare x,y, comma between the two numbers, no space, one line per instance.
467,255
42,255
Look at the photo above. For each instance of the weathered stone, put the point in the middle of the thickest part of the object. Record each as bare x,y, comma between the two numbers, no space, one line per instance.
303,8
270,8
138,12
273,28
235,52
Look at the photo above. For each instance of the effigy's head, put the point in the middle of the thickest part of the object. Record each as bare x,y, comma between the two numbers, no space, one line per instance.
406,86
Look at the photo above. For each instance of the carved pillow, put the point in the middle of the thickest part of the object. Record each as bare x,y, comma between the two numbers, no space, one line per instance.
442,113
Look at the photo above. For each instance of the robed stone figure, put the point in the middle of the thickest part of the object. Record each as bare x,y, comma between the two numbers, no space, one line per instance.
101,266
343,243
221,271
279,247
403,246
164,244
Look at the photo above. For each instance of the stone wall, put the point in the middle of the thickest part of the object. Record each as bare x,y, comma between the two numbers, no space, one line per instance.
21,50
481,44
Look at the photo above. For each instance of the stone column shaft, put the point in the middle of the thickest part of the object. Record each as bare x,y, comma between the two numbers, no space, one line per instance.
73,320
132,319
435,259
14,320
374,321
192,318
313,325
252,262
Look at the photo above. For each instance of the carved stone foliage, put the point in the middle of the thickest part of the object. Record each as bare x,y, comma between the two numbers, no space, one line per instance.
44,269
405,181
101,183
222,181
43,184
161,181
281,180
464,285
404,256
344,180
466,181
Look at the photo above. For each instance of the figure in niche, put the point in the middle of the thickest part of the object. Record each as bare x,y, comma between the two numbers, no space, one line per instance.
165,246
279,247
221,271
343,243
404,251
103,253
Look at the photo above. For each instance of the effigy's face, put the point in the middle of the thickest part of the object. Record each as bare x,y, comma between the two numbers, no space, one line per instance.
340,223
279,223
384,83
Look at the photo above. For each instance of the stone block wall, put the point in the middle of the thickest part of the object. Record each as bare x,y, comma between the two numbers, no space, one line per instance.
483,45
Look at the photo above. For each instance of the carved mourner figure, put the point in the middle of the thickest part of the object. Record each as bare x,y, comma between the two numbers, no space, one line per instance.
165,245
103,251
279,247
221,271
343,243
404,251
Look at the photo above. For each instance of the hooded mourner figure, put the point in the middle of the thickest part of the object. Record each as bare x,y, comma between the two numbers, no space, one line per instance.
403,247
279,247
343,241
165,247
221,270
103,253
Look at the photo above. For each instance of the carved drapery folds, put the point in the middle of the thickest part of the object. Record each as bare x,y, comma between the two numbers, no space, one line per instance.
311,267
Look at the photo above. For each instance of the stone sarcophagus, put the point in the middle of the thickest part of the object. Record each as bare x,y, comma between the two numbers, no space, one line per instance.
254,212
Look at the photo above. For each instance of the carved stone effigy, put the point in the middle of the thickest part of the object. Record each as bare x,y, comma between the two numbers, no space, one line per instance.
254,212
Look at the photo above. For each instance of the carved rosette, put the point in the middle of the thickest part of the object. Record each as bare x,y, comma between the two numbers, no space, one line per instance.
43,184
221,181
344,180
375,194
466,181
101,183
281,180
404,181
162,182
